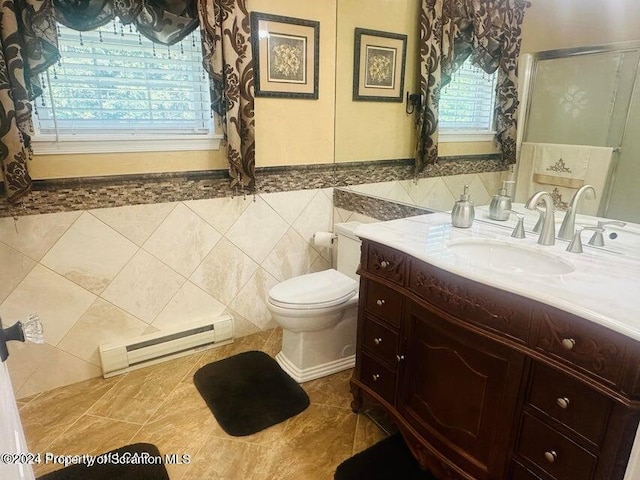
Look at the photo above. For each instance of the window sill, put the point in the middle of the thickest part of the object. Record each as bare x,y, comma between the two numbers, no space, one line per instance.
460,136
120,144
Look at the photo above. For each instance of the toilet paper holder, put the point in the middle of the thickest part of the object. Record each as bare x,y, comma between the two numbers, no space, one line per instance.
324,239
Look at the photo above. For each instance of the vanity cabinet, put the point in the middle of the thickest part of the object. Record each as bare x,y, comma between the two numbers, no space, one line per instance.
486,384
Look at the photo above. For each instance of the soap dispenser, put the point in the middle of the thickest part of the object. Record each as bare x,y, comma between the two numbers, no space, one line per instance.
500,205
463,212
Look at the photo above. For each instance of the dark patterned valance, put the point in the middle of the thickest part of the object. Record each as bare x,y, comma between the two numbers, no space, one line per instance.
486,31
29,46
161,21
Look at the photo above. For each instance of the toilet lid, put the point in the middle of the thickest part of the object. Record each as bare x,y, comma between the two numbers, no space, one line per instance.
320,289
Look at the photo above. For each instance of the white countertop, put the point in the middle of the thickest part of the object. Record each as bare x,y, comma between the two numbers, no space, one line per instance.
603,288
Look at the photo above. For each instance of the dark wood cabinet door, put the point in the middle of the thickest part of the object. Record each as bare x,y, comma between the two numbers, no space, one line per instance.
460,391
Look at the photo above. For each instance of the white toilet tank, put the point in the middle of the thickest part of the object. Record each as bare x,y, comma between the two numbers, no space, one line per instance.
348,249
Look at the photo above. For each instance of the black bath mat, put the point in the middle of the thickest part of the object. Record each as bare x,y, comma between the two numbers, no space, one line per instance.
249,392
148,466
389,459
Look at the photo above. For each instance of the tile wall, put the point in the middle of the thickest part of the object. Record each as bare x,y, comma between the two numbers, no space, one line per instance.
436,193
97,276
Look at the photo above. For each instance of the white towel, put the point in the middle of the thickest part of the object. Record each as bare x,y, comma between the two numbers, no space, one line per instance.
587,164
561,165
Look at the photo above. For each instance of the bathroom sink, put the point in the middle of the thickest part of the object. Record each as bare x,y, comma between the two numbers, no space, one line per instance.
507,257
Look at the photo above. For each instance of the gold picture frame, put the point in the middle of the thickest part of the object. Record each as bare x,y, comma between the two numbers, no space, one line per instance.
378,65
286,56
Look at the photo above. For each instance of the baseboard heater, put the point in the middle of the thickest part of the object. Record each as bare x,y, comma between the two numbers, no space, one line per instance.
124,356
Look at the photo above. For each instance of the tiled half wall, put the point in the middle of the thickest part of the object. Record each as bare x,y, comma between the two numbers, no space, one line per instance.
377,201
98,275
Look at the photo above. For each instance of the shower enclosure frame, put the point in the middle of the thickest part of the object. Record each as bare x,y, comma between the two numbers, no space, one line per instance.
529,68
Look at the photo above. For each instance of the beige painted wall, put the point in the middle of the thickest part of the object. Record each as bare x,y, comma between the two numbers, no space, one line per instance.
93,165
373,130
380,130
292,131
552,24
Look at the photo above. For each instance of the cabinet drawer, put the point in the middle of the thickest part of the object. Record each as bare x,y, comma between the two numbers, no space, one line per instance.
578,342
520,473
386,263
487,307
380,341
379,378
570,402
384,302
554,453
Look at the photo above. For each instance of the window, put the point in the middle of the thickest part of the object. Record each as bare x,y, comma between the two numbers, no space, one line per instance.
114,84
466,109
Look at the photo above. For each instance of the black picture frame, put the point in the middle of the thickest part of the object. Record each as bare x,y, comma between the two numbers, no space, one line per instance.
286,56
379,62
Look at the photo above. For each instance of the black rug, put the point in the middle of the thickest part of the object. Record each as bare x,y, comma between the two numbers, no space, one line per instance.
249,392
389,459
143,462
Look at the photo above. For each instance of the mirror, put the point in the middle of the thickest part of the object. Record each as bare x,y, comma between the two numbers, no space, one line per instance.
617,65
383,129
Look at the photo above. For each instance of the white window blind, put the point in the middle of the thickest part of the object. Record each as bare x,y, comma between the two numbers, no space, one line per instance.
467,102
113,80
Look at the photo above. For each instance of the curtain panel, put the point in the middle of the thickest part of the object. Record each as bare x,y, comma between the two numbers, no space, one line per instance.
226,40
29,46
489,33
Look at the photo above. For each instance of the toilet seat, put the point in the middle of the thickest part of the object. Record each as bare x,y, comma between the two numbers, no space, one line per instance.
314,290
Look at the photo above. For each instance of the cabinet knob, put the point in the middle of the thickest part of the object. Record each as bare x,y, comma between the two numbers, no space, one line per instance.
380,302
551,456
375,377
400,357
384,264
568,343
563,402
377,341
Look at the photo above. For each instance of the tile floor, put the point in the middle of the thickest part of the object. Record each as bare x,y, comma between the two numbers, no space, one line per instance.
160,405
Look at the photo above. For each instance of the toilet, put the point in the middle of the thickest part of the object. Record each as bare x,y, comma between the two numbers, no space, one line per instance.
318,313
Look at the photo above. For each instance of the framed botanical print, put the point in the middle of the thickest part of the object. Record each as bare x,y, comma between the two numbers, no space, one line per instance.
286,57
378,65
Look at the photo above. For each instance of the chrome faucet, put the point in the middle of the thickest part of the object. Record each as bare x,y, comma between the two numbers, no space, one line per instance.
568,226
548,233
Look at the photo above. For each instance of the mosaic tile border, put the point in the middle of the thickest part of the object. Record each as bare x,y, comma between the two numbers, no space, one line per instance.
377,208
51,196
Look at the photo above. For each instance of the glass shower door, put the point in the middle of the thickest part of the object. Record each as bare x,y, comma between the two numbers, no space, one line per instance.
624,197
583,98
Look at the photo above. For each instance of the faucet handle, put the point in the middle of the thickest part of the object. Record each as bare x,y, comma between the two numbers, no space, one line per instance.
540,221
597,239
576,243
518,232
